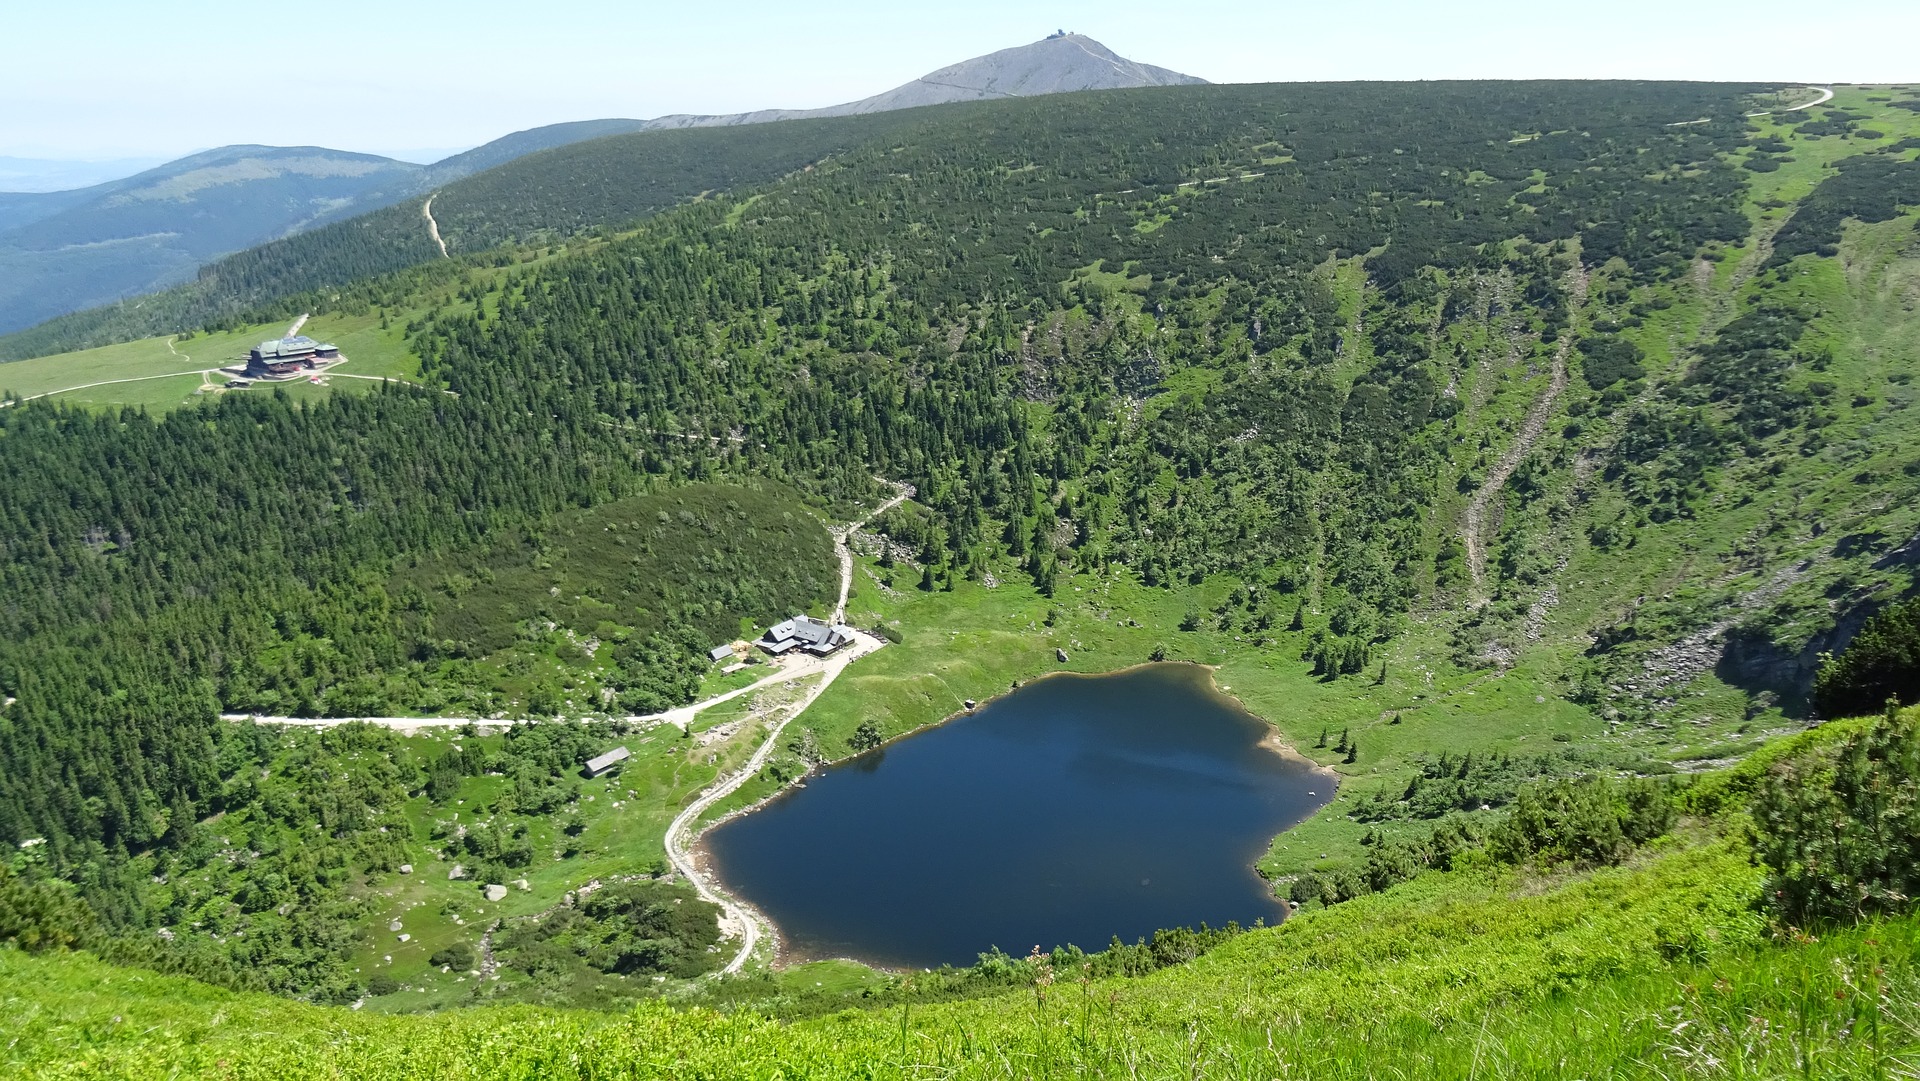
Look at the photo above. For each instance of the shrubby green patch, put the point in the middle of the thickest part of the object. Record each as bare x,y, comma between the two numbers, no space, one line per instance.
1509,972
1590,821
1870,187
638,928
1882,662
1447,783
1836,827
1610,360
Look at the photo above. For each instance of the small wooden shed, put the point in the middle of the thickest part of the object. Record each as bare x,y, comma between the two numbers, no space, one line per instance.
597,766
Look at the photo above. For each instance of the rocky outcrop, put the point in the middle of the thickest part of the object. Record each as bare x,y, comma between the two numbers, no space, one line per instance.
1755,663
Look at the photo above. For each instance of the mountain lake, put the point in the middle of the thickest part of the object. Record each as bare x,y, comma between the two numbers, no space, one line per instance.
1072,810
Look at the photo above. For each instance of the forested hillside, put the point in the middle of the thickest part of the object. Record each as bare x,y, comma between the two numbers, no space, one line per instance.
152,230
1450,418
563,191
543,196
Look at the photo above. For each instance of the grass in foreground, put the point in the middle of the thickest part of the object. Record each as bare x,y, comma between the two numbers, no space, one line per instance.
1659,970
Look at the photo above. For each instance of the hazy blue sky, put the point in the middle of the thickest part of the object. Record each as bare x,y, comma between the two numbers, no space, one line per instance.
107,78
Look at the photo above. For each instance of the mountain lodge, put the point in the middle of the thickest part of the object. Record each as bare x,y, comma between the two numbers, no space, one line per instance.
815,636
286,356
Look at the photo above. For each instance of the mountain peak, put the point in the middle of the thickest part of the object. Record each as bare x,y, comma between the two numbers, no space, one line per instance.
1059,63
178,215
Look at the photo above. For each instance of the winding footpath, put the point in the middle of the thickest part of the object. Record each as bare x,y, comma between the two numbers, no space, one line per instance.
433,227
751,925
101,383
202,373
1473,532
1826,95
680,716
901,493
205,374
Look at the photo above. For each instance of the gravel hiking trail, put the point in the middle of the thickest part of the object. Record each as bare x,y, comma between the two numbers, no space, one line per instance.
433,227
750,925
1826,95
1474,531
735,917
202,373
901,493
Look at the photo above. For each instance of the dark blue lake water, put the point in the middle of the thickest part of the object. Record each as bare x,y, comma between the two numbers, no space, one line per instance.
1070,811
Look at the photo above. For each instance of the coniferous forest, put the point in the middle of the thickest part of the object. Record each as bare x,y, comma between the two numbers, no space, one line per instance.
1229,345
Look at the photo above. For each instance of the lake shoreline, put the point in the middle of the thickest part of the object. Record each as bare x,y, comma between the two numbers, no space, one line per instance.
780,953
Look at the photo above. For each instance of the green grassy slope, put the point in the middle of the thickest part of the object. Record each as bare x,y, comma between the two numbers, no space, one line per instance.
165,373
373,324
1639,972
1645,604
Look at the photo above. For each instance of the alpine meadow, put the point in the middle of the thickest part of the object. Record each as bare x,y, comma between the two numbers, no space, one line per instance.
1537,460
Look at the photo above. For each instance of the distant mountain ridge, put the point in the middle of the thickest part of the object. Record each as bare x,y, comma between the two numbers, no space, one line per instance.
63,252
1059,64
19,175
